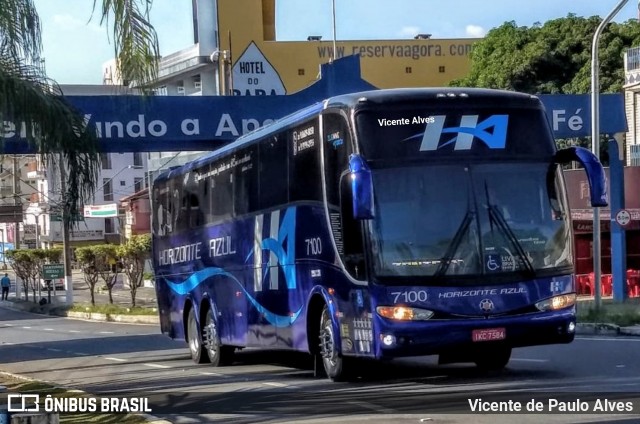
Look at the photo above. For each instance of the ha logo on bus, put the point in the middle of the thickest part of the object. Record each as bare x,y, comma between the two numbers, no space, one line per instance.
492,132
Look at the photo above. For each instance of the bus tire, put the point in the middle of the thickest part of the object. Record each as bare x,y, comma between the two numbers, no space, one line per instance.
217,353
332,360
493,359
196,348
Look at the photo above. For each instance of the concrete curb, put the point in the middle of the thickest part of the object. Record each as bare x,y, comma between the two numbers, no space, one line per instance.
46,310
604,329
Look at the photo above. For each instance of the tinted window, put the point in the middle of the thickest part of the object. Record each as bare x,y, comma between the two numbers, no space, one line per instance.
429,132
304,177
273,171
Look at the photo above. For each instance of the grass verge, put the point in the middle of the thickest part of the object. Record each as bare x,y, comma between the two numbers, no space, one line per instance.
113,309
622,314
15,385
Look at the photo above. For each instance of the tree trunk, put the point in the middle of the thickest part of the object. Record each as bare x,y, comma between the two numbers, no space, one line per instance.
93,296
110,288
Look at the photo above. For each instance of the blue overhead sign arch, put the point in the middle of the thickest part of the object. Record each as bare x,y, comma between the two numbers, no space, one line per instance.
170,123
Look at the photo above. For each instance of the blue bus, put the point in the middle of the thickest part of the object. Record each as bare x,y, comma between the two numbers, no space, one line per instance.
376,225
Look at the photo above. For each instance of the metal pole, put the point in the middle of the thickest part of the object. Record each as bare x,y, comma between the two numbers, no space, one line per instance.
333,11
595,147
66,247
16,199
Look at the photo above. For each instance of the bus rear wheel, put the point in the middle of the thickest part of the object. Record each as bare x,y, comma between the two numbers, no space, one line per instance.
332,360
216,352
194,340
493,359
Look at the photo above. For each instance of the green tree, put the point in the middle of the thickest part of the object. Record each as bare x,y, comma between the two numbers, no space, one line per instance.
107,258
33,102
22,262
554,58
87,258
133,255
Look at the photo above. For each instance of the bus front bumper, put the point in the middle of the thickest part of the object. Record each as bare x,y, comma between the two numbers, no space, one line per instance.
436,337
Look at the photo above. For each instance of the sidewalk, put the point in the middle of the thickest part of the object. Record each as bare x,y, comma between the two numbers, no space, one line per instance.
145,298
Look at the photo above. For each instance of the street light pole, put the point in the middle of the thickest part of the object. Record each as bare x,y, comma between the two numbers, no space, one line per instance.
595,146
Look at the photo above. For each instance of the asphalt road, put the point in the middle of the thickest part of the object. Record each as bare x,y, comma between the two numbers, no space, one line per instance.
108,358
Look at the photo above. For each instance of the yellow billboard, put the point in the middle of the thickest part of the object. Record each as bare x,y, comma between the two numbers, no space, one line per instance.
263,66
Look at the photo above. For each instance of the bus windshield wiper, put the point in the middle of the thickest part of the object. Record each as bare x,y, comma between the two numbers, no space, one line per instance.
503,225
455,243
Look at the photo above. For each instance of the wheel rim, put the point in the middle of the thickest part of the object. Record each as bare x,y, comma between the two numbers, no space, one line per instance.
327,348
194,344
211,337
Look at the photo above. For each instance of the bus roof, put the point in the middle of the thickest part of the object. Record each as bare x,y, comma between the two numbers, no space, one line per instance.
399,95
359,100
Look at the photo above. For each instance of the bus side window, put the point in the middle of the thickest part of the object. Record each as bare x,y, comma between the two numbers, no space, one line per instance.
353,256
337,147
305,182
274,171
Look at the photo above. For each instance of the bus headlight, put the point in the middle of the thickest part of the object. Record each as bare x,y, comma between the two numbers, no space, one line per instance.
557,302
404,313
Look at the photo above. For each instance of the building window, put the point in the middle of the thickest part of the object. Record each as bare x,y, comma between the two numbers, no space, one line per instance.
123,183
107,189
407,70
137,159
105,160
109,228
634,153
300,71
441,69
137,182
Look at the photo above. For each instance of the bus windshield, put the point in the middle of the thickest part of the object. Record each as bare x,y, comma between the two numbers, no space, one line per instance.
469,220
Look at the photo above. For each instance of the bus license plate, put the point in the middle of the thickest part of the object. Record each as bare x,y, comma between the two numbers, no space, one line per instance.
488,334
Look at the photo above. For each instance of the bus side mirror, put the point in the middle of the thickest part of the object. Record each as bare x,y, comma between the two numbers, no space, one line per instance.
361,187
593,168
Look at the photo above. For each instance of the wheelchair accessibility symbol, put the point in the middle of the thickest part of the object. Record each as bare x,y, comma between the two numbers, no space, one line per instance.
493,262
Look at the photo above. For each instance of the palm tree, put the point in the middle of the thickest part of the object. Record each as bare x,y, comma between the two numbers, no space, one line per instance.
53,128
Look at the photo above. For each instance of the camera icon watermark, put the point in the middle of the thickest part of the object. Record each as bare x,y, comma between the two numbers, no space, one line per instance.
23,403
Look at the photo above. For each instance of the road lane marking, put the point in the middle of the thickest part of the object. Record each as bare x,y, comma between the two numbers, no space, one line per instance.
529,360
373,407
274,384
215,374
109,358
608,339
27,328
48,329
8,343
156,366
105,332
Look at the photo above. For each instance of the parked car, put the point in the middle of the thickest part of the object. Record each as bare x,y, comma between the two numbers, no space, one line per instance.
59,284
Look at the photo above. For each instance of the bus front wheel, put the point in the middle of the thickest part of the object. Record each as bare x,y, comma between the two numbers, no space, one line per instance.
493,359
332,361
217,353
196,348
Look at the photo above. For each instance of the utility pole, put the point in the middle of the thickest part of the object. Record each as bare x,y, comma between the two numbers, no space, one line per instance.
16,198
66,223
595,147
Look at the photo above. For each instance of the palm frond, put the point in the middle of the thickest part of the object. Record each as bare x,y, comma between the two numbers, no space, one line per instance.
42,116
135,40
20,29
